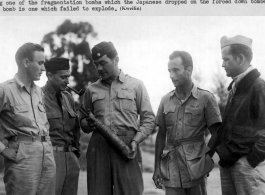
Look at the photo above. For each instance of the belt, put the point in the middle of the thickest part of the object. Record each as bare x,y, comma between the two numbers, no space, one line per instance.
25,138
63,148
178,142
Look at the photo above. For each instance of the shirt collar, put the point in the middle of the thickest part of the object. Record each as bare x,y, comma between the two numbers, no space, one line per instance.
21,84
50,89
241,76
194,92
121,76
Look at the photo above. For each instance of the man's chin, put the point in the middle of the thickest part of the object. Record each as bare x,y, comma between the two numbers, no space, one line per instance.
36,79
63,88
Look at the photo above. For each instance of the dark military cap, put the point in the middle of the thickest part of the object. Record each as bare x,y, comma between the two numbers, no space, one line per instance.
102,49
55,64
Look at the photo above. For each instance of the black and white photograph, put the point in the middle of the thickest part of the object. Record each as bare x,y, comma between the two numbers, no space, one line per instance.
132,105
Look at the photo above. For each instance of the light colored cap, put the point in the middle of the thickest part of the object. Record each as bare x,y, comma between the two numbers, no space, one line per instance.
239,39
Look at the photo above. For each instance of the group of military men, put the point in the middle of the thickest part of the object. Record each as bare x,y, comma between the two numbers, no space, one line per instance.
42,127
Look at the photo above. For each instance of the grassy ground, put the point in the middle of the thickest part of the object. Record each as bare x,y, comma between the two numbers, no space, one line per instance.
213,186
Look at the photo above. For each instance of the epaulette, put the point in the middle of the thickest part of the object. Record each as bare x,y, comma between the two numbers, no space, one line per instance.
171,91
205,90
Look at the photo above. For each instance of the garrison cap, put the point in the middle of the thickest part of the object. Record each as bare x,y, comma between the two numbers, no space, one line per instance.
55,64
239,39
102,49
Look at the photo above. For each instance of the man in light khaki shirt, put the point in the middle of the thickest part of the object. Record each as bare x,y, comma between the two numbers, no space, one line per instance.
29,161
117,100
184,114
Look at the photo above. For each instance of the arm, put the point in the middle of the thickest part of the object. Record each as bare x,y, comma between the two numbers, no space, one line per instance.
213,140
257,153
6,152
160,145
85,125
76,131
213,120
147,117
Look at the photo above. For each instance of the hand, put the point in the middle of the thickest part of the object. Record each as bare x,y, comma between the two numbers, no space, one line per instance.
157,178
10,153
90,123
134,147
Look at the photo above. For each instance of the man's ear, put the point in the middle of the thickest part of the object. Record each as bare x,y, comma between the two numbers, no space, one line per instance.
241,59
25,62
49,75
116,60
189,69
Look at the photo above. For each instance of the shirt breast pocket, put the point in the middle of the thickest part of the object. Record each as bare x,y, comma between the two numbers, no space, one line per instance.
99,103
126,101
193,116
54,120
170,114
21,115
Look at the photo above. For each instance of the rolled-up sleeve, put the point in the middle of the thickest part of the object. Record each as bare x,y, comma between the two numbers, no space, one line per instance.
147,117
212,112
160,118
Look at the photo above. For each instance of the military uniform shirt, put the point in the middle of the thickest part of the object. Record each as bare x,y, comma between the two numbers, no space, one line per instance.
21,111
186,119
119,105
64,123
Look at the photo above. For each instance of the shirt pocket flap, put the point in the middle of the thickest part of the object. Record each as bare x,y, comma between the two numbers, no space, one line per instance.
194,111
164,164
53,115
21,108
196,150
98,96
125,95
170,108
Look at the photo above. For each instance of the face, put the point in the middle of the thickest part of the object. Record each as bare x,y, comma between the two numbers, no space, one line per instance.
230,64
36,66
177,72
106,67
60,79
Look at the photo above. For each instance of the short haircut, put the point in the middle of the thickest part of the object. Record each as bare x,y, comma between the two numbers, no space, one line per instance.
185,57
111,55
237,49
26,51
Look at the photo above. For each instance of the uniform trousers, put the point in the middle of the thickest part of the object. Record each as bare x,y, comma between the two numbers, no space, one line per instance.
67,173
108,172
243,179
34,170
195,190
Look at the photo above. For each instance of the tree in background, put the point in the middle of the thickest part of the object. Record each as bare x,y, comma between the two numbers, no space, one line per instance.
220,89
69,40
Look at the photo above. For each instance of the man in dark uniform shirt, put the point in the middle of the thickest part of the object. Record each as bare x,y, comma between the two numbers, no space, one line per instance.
64,126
